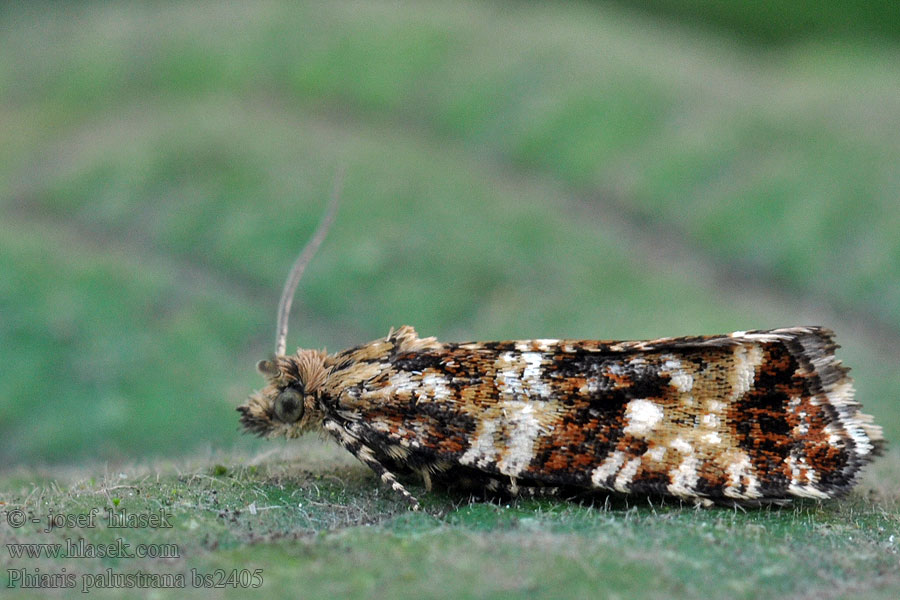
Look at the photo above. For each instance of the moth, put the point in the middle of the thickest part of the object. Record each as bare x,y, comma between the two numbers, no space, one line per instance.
748,417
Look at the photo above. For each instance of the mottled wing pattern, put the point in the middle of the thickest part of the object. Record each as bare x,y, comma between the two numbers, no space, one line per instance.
748,416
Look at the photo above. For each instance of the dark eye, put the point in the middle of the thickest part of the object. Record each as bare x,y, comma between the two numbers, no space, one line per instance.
289,405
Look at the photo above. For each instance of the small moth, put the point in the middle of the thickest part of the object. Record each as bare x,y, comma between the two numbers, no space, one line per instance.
748,417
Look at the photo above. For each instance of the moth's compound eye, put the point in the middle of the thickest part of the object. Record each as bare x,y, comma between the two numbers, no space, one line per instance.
289,406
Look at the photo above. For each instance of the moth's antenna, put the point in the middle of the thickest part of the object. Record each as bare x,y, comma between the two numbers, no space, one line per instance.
290,286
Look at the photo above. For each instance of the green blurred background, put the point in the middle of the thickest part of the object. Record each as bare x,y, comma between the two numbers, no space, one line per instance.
513,170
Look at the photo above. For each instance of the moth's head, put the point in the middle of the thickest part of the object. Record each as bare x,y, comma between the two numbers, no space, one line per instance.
291,402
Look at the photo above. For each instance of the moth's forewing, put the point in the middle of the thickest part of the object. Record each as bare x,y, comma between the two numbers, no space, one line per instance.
753,415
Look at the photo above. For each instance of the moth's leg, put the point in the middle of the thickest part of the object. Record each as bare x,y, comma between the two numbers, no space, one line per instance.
426,478
364,454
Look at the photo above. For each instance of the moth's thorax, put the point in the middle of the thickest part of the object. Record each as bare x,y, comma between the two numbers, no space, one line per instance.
291,403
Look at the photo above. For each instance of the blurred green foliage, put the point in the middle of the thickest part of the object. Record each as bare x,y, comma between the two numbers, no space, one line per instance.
774,22
510,170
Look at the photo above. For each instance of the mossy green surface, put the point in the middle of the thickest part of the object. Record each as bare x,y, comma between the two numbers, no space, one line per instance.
321,531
